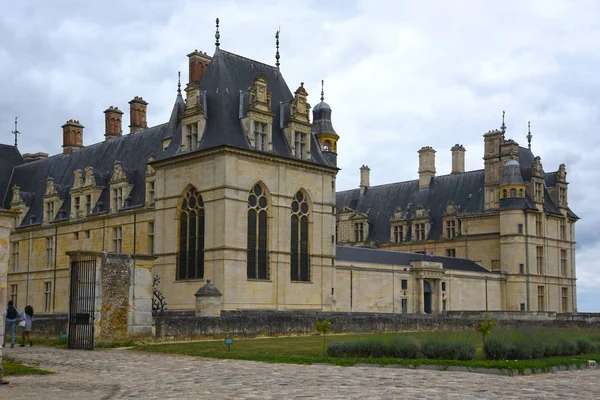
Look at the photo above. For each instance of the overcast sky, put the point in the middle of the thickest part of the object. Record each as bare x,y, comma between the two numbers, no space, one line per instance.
398,75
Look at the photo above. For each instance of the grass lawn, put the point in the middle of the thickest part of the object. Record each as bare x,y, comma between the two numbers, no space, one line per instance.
309,349
12,368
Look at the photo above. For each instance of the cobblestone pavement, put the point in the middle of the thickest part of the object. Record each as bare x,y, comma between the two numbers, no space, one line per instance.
119,374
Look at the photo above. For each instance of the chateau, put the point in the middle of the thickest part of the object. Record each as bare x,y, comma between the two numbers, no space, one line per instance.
239,187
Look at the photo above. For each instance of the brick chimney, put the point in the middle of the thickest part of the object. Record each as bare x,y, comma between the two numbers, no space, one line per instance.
458,159
114,121
30,157
426,166
137,114
364,178
198,64
72,136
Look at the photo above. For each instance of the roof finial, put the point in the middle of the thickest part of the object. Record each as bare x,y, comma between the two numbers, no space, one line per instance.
217,35
322,92
277,45
503,127
16,131
529,135
179,82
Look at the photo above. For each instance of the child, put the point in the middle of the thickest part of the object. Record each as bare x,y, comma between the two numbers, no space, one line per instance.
28,318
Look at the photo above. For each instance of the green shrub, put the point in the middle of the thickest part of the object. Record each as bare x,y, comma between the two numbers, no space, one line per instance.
338,349
465,351
585,346
566,347
404,347
498,348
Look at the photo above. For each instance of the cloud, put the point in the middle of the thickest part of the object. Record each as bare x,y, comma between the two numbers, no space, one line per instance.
399,75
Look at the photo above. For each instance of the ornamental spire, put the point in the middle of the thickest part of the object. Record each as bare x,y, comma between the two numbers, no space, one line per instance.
277,45
529,135
217,35
179,82
503,126
322,92
16,131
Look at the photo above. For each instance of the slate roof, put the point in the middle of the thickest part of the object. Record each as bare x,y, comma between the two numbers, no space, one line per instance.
10,157
464,189
376,256
226,75
379,202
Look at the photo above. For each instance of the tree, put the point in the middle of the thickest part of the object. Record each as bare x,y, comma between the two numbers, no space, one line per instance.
323,327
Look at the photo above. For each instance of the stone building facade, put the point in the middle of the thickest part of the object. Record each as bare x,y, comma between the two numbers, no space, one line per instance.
239,187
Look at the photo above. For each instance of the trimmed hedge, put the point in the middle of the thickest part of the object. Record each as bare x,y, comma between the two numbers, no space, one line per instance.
403,347
530,345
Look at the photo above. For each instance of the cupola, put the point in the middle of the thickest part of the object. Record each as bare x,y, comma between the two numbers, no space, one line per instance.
512,185
323,129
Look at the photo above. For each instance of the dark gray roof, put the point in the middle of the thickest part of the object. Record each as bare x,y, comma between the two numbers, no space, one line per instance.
379,202
10,157
226,76
132,150
375,256
511,173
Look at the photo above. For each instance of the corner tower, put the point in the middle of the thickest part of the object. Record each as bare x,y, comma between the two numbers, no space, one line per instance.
323,129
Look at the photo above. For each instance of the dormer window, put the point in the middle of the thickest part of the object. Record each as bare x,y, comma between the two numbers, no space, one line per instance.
151,192
300,145
538,192
327,145
192,136
88,204
260,136
359,232
420,231
118,198
513,192
398,233
450,229
77,207
49,211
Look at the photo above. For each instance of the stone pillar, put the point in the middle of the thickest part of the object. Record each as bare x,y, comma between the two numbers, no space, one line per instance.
421,296
208,301
439,296
6,220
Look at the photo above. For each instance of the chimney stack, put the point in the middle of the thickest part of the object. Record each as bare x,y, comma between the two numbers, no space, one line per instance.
30,157
426,166
458,159
198,64
364,178
72,136
114,119
137,114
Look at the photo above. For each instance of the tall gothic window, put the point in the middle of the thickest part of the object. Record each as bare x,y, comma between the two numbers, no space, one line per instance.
258,260
299,226
191,237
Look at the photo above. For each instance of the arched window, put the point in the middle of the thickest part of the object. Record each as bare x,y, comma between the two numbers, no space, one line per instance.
513,192
327,145
300,266
191,237
504,193
258,260
521,193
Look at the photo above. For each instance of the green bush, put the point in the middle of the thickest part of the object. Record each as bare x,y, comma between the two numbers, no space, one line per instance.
585,346
405,347
566,347
448,350
338,349
498,348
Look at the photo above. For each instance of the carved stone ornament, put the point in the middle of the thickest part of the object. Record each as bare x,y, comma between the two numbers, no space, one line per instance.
77,179
16,198
90,180
450,207
421,212
562,173
118,173
537,166
50,188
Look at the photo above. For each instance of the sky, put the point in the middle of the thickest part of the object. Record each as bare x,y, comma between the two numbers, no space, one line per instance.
398,75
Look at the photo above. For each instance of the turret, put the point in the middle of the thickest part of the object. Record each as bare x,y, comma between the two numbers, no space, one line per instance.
323,129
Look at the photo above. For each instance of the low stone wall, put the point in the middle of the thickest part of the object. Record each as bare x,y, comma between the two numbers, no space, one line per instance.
274,323
184,324
50,325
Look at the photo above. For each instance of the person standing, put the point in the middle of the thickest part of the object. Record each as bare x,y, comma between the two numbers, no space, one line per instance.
28,318
11,320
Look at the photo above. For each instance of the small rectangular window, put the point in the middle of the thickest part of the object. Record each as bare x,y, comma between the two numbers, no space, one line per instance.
450,229
521,268
48,296
564,299
14,294
87,234
76,235
450,252
520,228
398,234
117,239
15,254
443,305
522,306
404,284
443,286
151,238
404,306
151,199
541,303
88,204
358,232
538,224
77,207
563,262
539,250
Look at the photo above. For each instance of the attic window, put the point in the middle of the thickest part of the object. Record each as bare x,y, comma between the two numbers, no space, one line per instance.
299,144
260,136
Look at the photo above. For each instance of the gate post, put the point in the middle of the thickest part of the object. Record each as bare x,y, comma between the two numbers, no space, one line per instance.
6,220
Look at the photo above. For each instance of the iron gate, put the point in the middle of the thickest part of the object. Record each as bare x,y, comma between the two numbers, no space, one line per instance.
82,303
